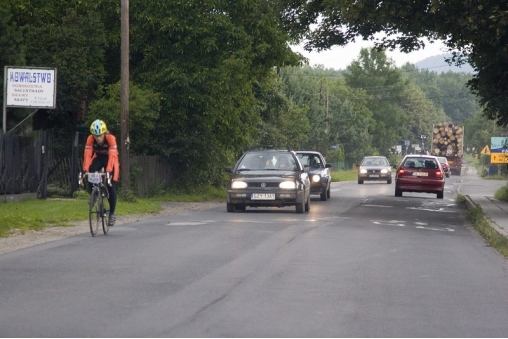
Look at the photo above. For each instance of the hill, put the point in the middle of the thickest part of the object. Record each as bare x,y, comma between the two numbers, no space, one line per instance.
438,64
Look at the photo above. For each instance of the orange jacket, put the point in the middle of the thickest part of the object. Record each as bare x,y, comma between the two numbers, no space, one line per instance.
108,149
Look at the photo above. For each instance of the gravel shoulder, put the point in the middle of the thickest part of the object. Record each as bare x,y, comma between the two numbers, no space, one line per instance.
31,238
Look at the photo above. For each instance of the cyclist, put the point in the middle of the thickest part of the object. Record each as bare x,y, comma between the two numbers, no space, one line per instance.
101,152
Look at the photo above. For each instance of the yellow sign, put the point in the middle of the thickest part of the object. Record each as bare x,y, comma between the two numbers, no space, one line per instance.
485,150
499,158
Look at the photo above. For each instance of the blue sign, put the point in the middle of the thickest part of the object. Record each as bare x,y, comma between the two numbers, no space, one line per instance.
499,145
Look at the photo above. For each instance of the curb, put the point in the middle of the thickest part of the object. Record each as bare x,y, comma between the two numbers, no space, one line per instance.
499,230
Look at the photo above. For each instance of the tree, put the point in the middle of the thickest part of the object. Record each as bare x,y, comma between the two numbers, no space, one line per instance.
70,39
337,113
447,91
474,31
12,52
385,88
282,122
144,111
206,59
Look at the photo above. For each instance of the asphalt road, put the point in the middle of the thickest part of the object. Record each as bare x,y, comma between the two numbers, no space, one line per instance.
362,264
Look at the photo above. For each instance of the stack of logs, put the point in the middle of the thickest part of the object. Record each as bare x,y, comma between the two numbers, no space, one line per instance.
447,140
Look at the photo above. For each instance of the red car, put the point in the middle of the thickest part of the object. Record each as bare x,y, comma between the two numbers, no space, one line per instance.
445,164
420,173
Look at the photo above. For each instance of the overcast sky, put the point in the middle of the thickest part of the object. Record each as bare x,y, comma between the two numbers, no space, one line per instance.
341,57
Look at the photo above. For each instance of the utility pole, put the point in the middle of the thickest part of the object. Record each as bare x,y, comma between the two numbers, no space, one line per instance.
124,97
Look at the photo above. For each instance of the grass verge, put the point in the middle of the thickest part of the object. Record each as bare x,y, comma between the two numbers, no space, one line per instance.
36,214
344,175
482,224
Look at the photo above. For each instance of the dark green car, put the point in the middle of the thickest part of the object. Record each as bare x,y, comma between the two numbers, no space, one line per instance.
268,178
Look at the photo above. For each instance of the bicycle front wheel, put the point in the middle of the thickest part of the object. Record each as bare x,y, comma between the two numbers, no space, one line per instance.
105,214
94,215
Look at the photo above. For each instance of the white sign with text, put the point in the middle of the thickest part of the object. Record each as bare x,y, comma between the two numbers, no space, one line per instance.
30,87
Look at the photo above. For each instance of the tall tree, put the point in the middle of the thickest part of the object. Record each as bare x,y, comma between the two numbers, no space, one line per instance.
205,59
385,87
71,39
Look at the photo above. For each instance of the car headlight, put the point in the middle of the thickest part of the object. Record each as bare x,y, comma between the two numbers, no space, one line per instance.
288,185
363,170
384,171
316,178
238,184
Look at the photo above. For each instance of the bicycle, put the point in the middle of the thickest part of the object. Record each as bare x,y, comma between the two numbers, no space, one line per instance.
98,205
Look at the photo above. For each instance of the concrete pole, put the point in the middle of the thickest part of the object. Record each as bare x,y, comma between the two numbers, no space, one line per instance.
124,98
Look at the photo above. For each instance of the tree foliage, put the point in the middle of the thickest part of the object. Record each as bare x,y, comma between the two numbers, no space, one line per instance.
474,31
385,88
12,51
144,110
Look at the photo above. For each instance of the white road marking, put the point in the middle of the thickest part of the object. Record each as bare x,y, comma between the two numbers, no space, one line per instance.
188,223
431,209
399,223
402,223
376,205
436,229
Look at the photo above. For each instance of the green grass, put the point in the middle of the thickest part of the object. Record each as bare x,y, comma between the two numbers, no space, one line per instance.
349,175
36,214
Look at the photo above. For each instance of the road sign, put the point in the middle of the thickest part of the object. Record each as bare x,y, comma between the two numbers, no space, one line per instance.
485,150
499,158
499,144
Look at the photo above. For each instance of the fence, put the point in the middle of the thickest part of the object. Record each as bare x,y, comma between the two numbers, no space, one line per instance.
22,164
40,165
150,174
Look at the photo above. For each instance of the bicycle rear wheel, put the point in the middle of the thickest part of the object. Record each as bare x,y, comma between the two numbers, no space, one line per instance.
94,215
105,214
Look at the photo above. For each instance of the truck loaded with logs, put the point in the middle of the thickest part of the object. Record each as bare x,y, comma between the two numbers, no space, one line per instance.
448,141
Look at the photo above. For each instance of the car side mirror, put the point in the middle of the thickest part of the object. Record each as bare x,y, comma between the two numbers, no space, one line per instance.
328,165
229,169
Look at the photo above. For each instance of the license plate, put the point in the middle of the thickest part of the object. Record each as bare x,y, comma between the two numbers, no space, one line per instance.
374,176
262,196
421,174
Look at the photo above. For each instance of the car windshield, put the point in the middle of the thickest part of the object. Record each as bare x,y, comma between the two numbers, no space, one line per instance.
374,162
267,161
420,163
311,160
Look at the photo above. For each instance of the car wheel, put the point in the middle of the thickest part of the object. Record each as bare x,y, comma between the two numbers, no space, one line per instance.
328,192
307,204
360,181
440,195
323,196
398,193
389,181
300,206
230,207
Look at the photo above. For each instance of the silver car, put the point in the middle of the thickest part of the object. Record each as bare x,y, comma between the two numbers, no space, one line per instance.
375,168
